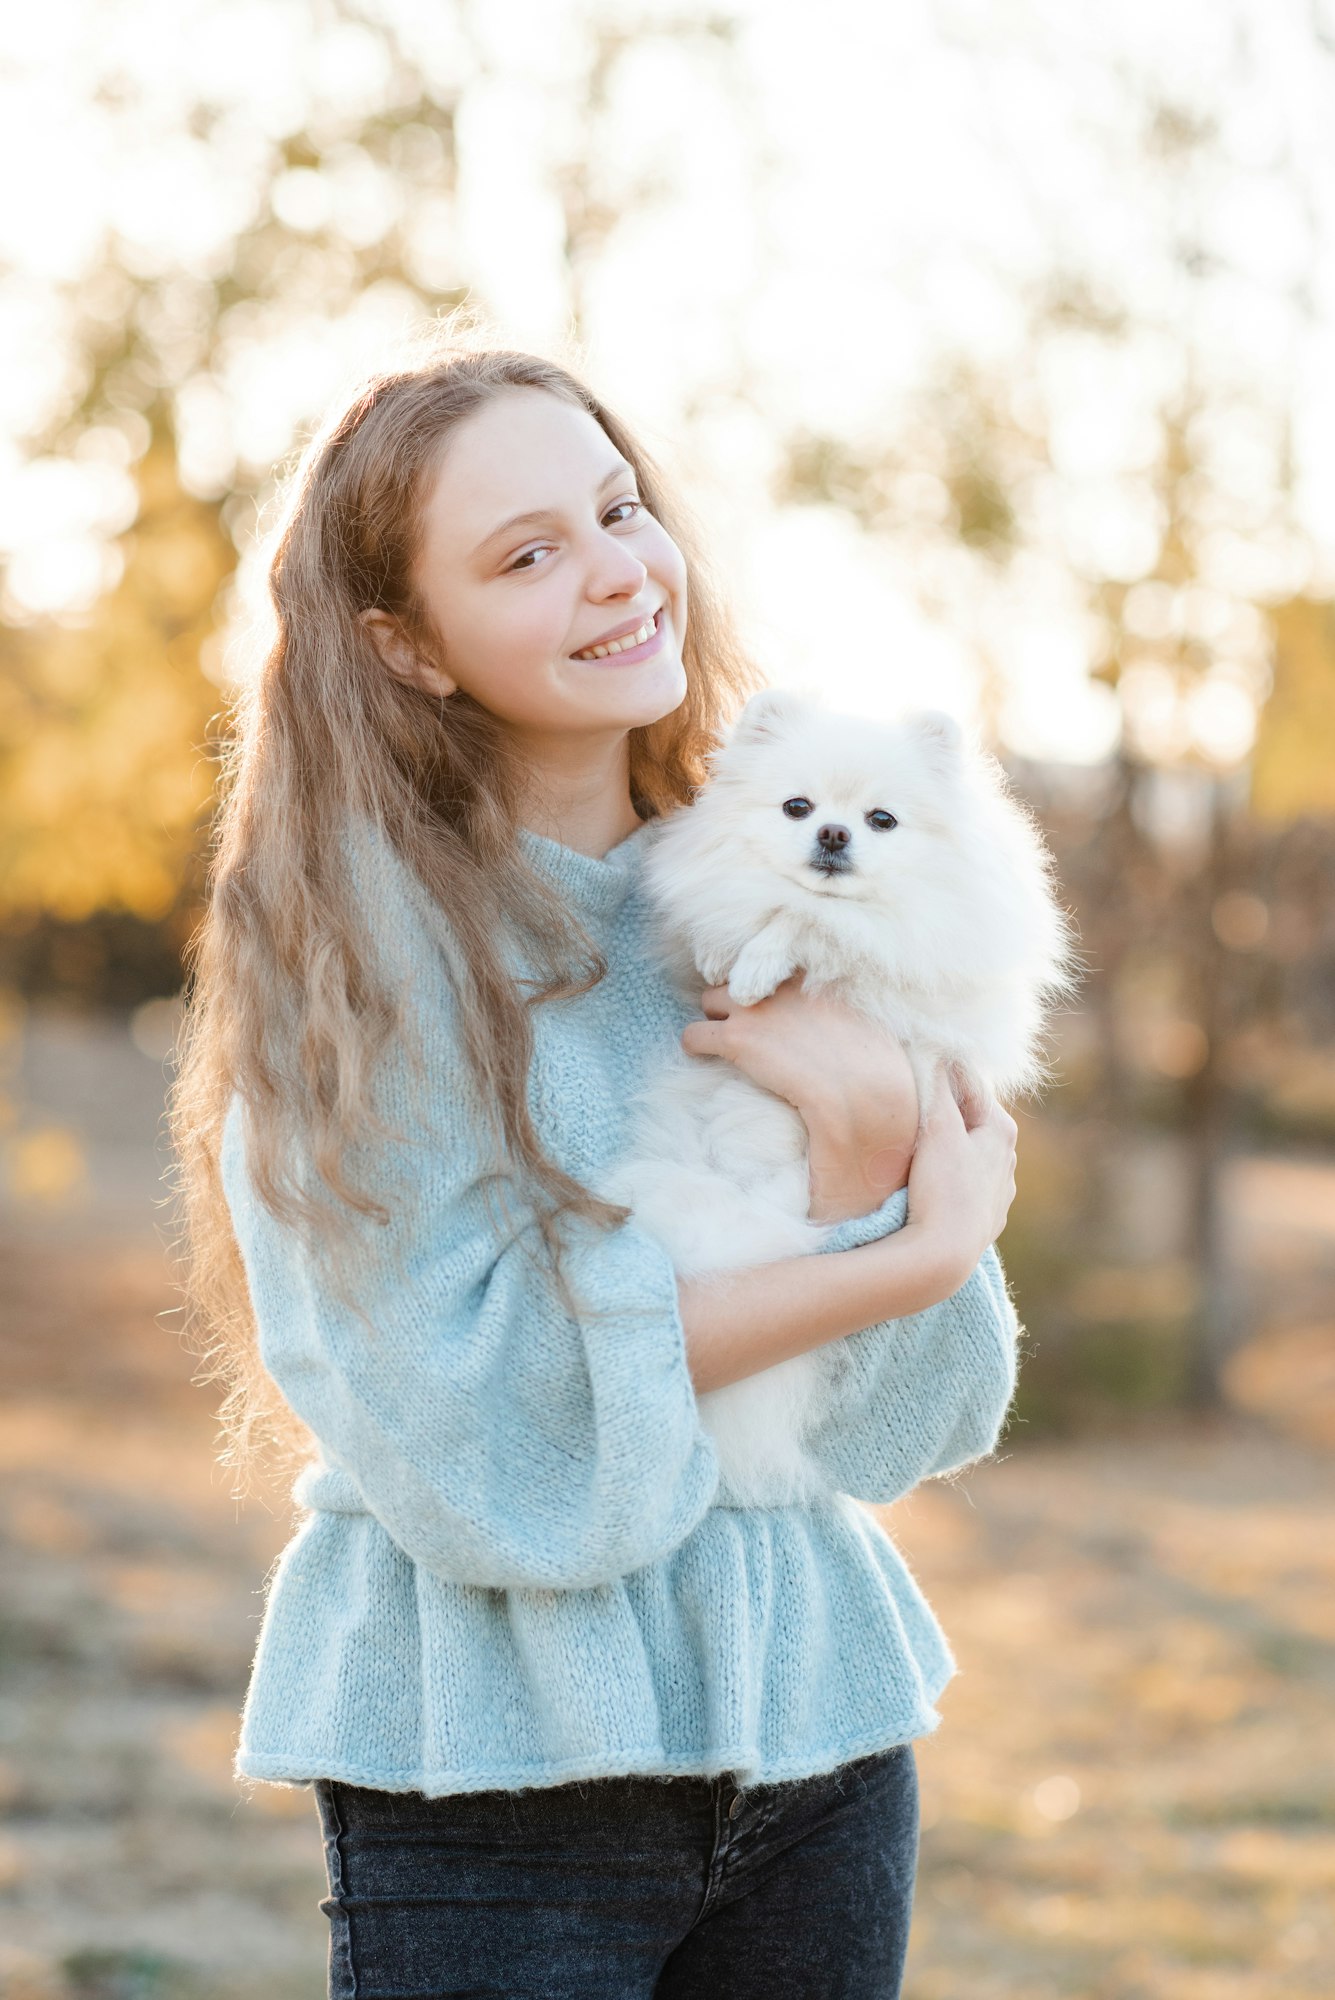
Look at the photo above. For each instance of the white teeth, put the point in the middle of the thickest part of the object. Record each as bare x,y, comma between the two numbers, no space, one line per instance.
618,645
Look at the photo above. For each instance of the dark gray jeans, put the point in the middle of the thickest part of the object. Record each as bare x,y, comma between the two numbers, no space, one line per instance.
626,1888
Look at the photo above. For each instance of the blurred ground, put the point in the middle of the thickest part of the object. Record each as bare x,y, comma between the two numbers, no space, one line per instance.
1132,1796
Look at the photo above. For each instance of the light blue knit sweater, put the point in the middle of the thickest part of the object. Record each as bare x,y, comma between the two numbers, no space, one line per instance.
517,1567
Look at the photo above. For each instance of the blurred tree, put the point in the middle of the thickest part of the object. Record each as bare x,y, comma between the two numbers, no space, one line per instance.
101,777
1293,767
106,771
1186,631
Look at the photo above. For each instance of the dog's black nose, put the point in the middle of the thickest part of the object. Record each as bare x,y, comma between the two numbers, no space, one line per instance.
833,838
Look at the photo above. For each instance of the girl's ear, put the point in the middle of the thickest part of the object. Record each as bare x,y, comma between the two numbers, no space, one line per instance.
769,713
399,654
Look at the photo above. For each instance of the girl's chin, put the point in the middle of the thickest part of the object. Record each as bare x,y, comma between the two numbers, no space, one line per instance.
640,694
657,692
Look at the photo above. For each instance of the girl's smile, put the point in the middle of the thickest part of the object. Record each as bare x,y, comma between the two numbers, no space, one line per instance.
625,642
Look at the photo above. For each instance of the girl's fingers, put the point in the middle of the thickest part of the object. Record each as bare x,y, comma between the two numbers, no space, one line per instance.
703,1038
715,1001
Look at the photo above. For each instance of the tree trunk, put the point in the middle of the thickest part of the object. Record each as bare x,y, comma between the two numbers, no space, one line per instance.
1216,1325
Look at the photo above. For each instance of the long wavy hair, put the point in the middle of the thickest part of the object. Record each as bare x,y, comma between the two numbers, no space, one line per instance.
285,1003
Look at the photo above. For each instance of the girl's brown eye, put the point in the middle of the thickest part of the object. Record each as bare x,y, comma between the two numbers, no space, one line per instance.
524,561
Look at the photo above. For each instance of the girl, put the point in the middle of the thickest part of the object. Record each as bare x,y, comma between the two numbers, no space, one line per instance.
576,1725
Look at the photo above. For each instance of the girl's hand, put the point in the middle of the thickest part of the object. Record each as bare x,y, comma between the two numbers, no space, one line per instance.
962,1180
849,1080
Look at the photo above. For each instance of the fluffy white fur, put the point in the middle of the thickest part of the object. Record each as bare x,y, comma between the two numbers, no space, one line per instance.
943,928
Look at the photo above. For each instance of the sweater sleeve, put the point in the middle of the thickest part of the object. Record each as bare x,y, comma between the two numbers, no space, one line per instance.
500,1439
923,1395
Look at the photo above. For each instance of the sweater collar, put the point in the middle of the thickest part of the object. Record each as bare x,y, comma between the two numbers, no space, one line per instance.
596,885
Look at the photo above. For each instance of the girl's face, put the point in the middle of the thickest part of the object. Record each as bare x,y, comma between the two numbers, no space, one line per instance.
518,604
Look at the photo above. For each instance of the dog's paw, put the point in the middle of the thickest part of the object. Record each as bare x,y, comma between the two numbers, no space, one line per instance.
715,970
759,971
714,965
746,992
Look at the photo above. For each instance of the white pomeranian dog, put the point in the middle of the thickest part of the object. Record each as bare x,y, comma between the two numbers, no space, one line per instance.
890,864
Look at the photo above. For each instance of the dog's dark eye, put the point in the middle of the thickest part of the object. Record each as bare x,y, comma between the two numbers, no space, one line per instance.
797,808
881,819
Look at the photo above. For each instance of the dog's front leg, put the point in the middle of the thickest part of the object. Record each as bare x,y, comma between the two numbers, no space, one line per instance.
763,962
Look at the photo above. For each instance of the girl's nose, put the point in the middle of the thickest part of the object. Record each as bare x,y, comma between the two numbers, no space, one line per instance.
617,571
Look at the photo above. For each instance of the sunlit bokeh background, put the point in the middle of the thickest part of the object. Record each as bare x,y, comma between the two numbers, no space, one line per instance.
991,344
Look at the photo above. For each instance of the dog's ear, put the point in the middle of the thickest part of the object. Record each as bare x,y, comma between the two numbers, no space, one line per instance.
940,735
768,713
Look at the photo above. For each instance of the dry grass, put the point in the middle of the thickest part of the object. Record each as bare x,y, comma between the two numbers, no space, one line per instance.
1132,1795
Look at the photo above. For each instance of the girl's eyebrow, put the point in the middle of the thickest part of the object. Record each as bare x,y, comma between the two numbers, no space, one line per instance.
618,471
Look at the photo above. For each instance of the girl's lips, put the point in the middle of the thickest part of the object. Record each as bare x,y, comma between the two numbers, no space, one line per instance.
651,645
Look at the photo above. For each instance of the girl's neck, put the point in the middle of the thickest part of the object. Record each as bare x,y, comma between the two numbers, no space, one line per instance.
597,830
590,811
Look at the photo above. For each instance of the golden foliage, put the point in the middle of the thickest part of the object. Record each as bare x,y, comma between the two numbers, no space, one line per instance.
104,774
1293,768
